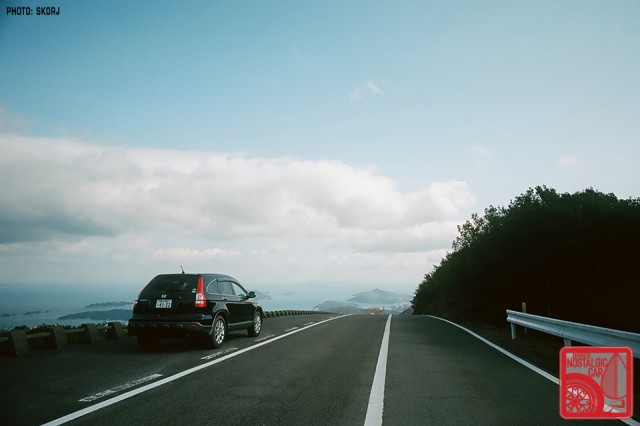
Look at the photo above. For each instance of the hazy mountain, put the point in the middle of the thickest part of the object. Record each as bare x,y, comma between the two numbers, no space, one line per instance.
340,308
113,314
369,302
380,297
105,305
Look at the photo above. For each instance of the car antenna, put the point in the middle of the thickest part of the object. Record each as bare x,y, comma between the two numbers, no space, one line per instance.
182,269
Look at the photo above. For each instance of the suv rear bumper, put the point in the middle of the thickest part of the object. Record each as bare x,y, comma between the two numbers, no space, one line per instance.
169,327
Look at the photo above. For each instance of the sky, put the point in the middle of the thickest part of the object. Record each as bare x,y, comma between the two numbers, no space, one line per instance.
297,142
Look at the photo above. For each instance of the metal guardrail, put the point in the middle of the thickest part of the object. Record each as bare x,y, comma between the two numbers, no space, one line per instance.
573,331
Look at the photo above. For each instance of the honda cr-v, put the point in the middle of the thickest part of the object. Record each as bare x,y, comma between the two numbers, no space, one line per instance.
181,305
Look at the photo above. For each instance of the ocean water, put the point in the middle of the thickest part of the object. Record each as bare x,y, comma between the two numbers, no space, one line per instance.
36,304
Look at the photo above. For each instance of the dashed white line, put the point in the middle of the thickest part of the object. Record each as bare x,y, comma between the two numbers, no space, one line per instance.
262,339
120,388
142,389
219,353
291,329
376,397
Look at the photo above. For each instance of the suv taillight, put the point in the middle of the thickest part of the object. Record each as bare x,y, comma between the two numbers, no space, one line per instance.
201,300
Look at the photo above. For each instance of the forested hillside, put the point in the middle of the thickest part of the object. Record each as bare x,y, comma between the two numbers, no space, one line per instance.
569,256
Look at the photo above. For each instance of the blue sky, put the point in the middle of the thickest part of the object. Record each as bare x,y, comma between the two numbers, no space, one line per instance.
316,141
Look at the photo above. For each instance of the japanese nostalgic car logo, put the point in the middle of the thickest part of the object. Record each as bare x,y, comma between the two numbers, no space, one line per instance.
596,382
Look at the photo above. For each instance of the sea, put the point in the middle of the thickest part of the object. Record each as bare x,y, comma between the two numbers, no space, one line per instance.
33,305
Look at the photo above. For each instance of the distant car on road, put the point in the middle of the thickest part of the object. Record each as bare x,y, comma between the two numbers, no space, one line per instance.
181,305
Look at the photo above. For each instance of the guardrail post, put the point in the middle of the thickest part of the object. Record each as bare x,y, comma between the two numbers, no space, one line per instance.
567,342
513,331
115,331
19,343
57,338
90,334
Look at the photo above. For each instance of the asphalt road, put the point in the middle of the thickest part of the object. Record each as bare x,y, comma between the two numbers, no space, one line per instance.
313,370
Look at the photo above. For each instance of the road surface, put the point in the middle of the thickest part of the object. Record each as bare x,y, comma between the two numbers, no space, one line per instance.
302,370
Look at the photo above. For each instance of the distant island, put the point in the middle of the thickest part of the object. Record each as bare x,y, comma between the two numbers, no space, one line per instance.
36,312
108,305
340,307
113,314
369,302
381,297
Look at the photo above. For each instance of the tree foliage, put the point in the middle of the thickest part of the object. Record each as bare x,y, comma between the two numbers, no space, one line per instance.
570,256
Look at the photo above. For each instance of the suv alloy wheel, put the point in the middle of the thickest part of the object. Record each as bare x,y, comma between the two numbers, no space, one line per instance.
255,329
218,331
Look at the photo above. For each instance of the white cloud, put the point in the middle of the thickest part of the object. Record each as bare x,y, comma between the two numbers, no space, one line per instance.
367,89
184,254
479,151
13,122
569,162
171,206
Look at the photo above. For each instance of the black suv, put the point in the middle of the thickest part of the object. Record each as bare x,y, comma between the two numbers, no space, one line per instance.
181,305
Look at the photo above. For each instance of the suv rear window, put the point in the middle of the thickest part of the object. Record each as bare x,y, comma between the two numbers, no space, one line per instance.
177,283
225,288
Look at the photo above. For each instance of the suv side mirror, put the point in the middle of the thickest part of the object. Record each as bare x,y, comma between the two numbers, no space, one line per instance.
251,295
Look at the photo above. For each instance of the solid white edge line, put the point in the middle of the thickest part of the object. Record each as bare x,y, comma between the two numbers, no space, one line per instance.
376,397
127,395
504,351
527,364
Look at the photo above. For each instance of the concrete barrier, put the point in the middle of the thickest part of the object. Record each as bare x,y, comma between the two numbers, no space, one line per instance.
18,343
90,334
58,338
115,331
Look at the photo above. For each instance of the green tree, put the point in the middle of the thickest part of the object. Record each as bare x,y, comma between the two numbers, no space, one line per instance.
569,256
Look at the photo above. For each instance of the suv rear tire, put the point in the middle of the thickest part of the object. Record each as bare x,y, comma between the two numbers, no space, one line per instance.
218,331
256,327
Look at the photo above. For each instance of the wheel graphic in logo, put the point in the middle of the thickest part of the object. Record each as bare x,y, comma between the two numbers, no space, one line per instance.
582,395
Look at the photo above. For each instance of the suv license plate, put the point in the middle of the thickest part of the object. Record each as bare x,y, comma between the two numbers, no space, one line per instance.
163,303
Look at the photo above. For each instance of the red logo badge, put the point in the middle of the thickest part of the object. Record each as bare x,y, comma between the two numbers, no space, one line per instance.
596,382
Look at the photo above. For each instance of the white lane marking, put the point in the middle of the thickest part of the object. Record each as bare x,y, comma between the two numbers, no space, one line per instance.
261,339
541,372
169,379
120,388
219,353
376,397
291,329
507,353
